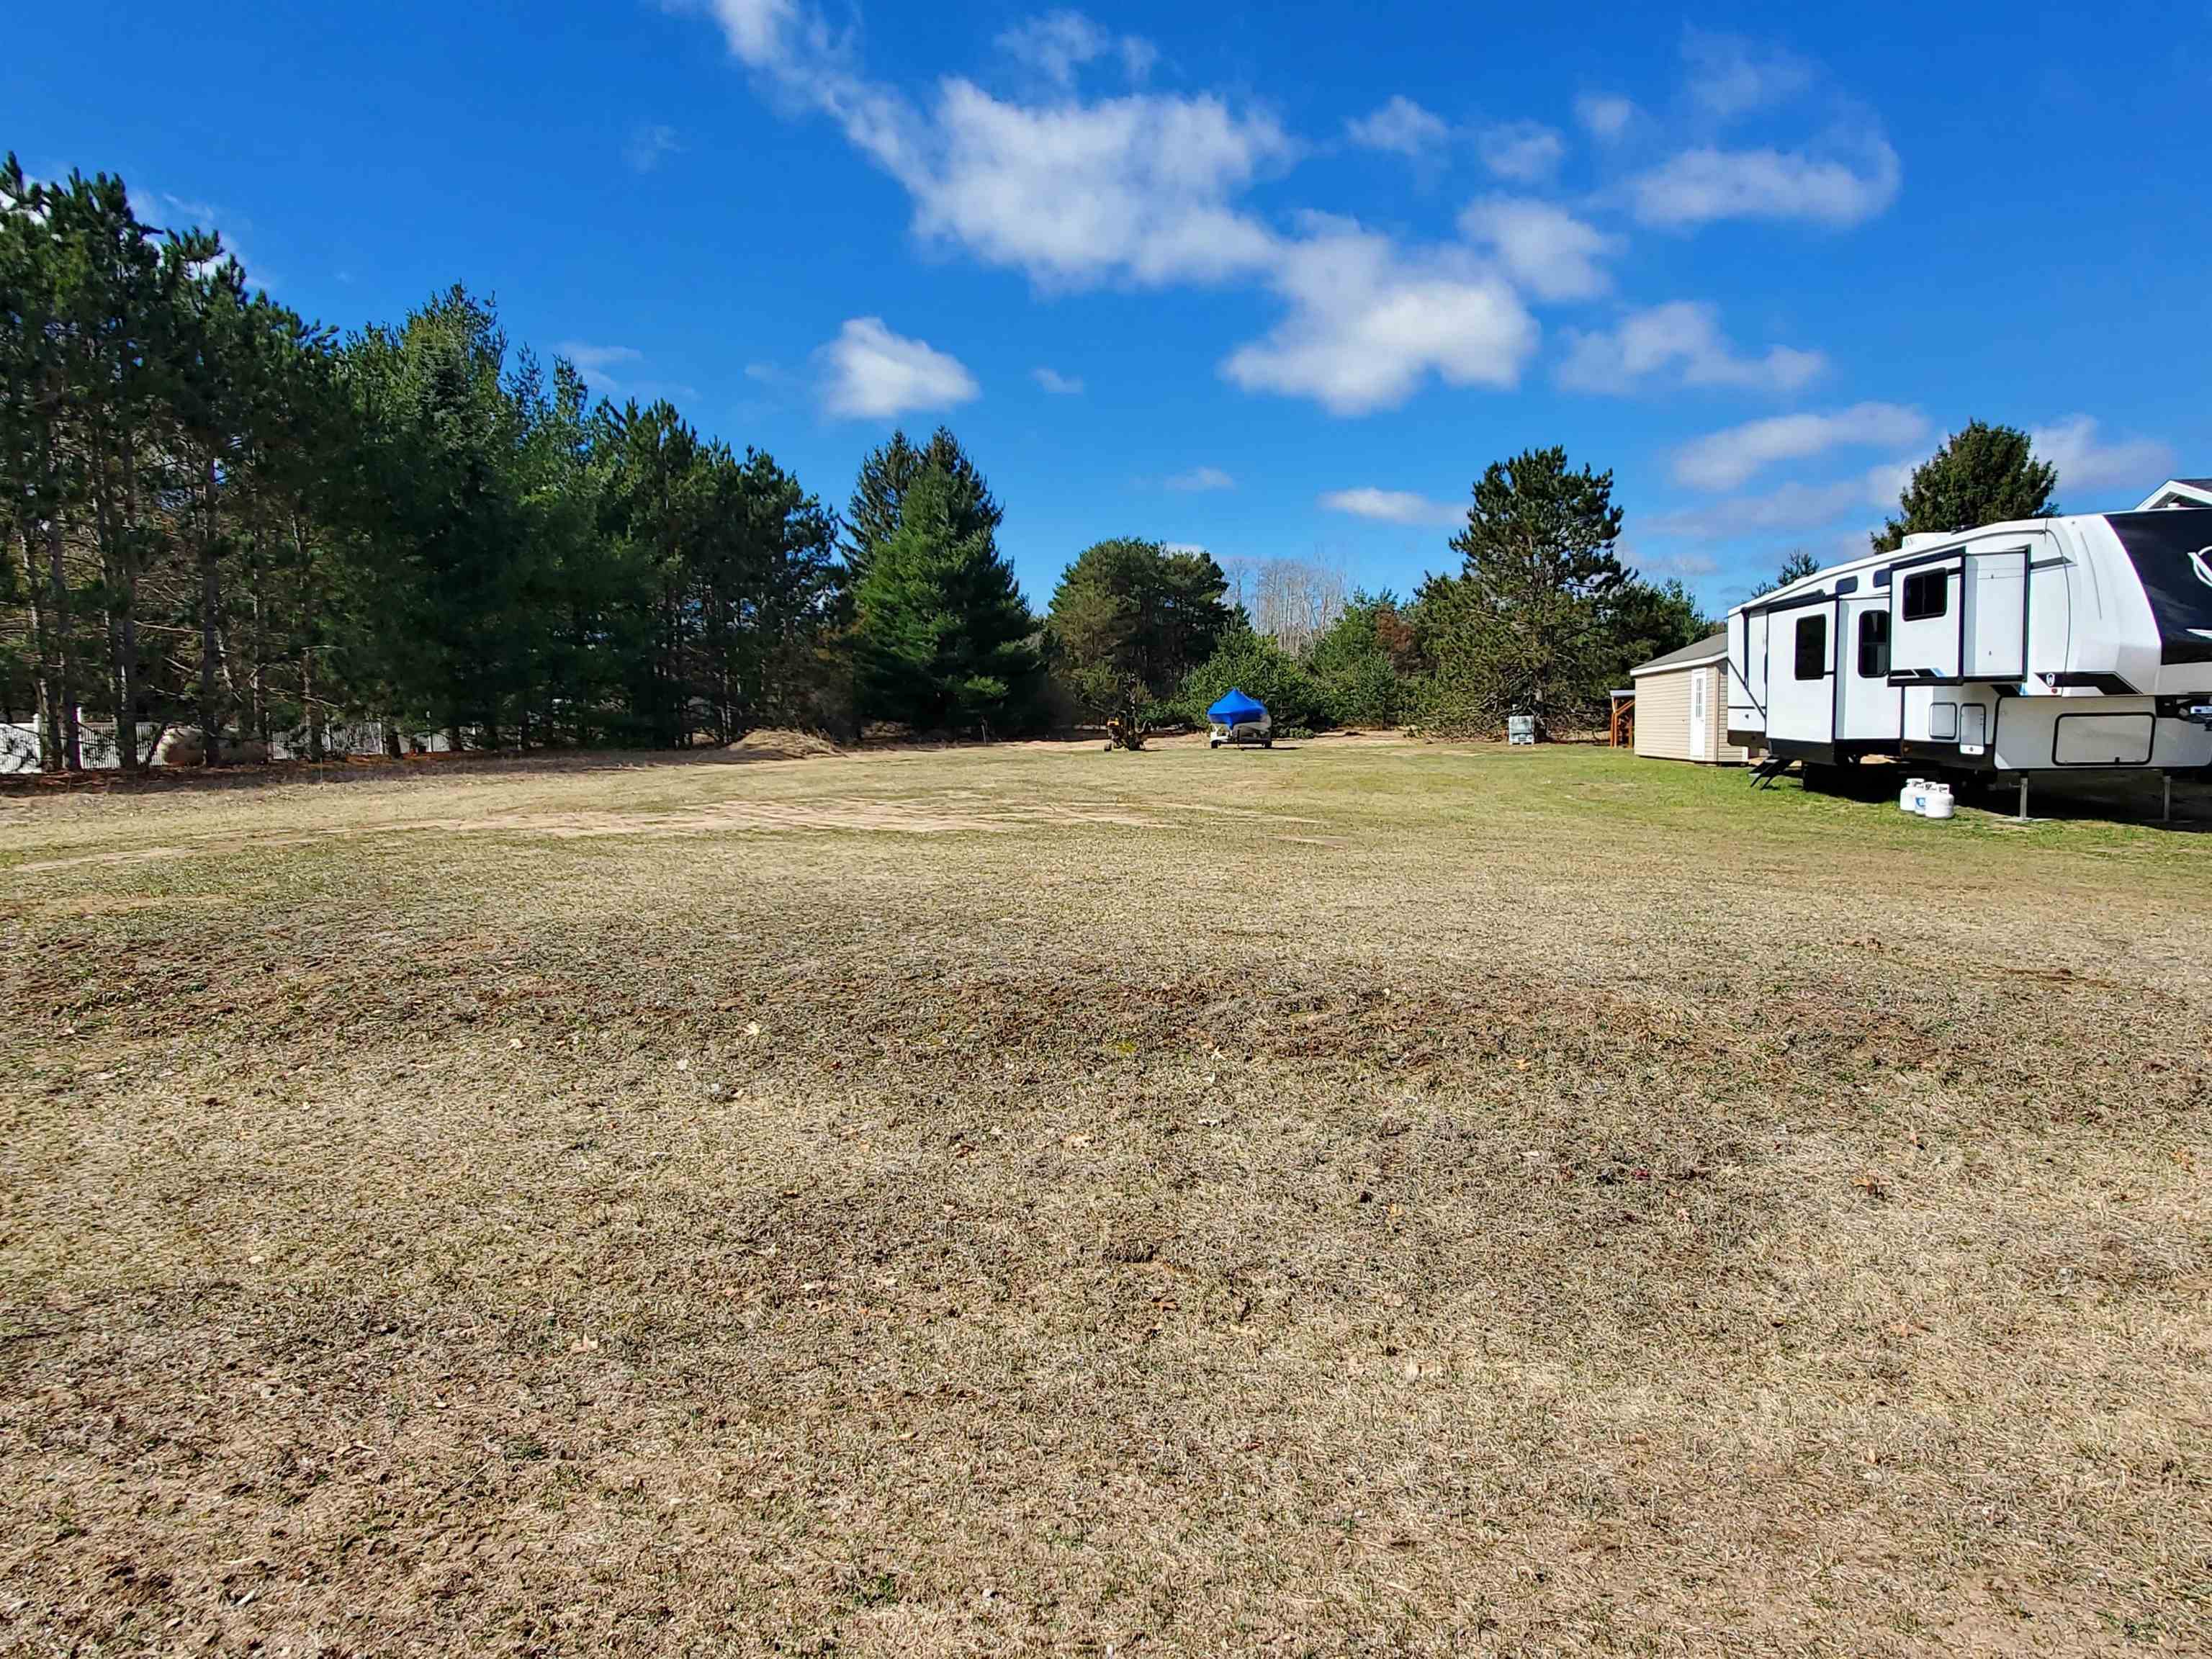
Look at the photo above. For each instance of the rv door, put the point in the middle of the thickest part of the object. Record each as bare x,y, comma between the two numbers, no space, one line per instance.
1745,684
1868,706
1801,649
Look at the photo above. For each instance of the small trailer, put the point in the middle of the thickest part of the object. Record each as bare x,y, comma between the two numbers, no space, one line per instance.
1239,719
2049,645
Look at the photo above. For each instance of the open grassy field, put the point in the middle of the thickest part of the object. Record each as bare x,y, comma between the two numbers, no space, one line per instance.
1359,1198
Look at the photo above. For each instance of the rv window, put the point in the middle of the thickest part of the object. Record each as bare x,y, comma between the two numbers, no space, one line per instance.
1812,647
1927,594
1873,645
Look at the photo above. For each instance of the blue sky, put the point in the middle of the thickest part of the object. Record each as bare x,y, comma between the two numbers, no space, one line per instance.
1275,280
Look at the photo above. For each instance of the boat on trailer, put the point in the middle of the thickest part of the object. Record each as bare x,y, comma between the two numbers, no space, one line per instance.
2046,646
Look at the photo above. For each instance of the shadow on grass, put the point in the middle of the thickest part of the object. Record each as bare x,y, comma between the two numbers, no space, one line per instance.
356,768
2114,797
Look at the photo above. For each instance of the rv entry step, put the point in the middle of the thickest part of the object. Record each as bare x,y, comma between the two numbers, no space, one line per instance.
1770,768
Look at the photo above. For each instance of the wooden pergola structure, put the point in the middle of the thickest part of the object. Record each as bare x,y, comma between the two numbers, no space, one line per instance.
1622,732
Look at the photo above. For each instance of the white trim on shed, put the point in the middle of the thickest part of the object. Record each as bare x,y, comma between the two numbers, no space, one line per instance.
2178,492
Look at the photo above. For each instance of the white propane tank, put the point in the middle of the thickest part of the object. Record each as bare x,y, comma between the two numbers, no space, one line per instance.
1913,787
1938,804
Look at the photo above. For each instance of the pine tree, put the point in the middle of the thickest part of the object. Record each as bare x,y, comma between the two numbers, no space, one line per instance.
35,235
1795,566
212,516
879,495
1523,628
1983,475
1128,614
943,640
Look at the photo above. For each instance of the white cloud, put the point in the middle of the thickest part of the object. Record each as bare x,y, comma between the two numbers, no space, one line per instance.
1143,189
1526,152
164,211
1604,116
2132,466
647,144
756,29
1887,481
1201,479
1721,460
1698,186
1182,547
159,208
1688,565
1789,509
597,359
1544,248
1730,76
1059,43
875,374
608,371
1135,188
1060,385
1402,126
1368,323
1391,506
1682,339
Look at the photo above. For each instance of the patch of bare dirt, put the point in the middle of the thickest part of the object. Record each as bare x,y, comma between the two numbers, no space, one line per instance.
778,743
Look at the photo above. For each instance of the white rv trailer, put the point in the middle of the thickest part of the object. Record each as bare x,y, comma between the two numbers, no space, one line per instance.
2045,645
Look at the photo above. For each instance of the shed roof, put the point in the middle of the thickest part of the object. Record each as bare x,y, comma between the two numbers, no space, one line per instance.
1710,649
2195,491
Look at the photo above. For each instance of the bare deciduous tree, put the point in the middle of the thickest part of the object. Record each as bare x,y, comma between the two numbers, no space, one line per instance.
1293,601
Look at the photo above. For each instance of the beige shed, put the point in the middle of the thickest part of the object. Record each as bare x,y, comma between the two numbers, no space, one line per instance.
1681,705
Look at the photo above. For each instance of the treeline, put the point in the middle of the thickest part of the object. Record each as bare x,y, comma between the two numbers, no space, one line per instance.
227,519
229,525
1542,618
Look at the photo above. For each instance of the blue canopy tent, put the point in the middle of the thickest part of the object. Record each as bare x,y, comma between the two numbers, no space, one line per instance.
1236,709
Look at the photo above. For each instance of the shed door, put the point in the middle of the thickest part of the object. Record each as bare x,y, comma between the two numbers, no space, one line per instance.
1699,676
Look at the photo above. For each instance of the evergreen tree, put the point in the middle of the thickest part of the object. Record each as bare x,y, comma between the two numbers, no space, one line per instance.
213,515
1129,616
1982,475
1643,620
942,640
35,258
1362,664
887,474
1253,664
1798,565
797,676
1523,628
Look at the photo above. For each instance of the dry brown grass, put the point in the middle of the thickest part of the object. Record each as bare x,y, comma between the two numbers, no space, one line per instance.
949,1202
777,743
